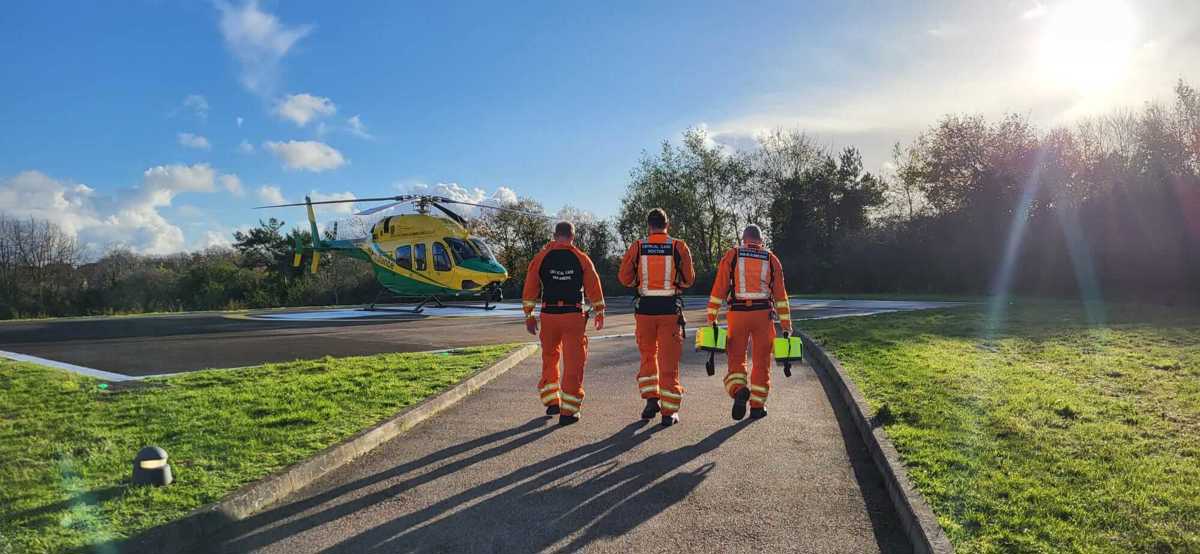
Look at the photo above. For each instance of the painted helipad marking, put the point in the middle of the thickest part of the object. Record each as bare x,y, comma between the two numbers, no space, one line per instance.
327,315
98,374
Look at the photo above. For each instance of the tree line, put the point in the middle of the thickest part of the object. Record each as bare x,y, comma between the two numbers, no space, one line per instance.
1106,207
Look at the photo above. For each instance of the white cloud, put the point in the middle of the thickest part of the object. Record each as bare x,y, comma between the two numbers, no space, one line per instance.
197,104
501,196
232,184
215,239
194,141
358,128
129,217
306,155
245,147
239,122
303,108
179,178
1038,10
259,41
342,209
270,194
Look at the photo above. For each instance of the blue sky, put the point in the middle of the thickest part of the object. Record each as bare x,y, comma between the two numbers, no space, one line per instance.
158,124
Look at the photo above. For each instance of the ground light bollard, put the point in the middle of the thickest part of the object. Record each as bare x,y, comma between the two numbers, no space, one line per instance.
150,467
711,339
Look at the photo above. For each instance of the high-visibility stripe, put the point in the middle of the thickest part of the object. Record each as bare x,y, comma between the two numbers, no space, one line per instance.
648,379
668,273
782,304
741,276
757,388
668,394
651,388
784,316
670,406
764,276
715,300
529,303
549,386
548,399
741,376
759,399
566,397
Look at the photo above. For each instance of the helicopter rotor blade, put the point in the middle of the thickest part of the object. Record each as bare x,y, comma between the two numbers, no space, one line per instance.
458,218
381,208
501,208
400,198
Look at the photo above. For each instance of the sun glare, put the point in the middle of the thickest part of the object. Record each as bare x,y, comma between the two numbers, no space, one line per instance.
1087,44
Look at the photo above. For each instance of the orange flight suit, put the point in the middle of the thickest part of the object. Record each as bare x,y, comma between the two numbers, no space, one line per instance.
559,275
660,267
751,277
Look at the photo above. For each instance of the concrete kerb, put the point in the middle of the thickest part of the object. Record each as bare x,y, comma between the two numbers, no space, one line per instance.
920,523
189,533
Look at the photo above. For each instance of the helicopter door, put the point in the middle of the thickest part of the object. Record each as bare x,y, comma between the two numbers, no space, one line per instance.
419,257
404,256
441,257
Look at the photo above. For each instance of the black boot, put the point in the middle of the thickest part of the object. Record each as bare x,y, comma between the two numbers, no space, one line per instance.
565,419
758,413
669,420
552,409
650,409
739,403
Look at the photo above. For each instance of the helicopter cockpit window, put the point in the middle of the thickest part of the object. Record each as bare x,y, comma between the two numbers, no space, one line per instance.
484,250
419,257
441,258
461,249
404,256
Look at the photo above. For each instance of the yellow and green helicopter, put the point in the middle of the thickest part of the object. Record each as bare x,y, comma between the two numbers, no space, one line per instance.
416,256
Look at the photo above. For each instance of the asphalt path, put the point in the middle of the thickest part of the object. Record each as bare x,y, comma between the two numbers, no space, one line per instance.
153,345
492,475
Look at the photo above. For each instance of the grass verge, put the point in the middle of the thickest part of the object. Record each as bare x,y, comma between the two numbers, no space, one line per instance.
1059,430
66,444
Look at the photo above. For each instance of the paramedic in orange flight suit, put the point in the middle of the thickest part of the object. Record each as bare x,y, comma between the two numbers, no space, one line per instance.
560,274
751,277
660,268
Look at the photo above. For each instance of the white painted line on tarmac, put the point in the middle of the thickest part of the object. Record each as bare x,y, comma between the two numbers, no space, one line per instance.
98,374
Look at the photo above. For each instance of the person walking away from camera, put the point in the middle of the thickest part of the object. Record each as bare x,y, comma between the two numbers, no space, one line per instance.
560,275
659,268
750,277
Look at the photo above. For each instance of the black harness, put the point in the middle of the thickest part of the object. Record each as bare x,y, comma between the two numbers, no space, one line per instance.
562,282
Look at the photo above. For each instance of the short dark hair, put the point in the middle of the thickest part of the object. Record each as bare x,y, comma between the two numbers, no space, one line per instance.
752,231
564,229
657,219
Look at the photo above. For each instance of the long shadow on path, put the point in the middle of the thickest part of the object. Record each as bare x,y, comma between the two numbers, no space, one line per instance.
530,517
261,530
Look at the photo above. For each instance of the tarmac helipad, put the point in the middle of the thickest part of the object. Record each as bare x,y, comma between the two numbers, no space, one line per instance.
153,345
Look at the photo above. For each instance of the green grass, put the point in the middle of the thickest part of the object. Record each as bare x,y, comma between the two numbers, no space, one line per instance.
1052,435
66,444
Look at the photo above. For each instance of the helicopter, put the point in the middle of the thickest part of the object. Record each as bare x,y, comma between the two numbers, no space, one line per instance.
419,255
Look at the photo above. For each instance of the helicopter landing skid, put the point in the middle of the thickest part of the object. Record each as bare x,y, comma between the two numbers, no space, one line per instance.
420,307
